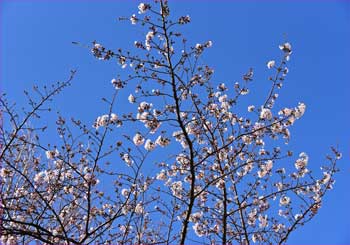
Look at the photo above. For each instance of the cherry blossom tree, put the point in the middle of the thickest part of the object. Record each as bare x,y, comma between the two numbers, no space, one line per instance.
187,165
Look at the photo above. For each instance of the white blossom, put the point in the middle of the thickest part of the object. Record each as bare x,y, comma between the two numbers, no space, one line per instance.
263,221
199,229
139,208
149,145
285,112
284,200
117,83
326,178
300,110
265,114
271,64
208,44
302,161
143,8
195,217
286,47
138,139
127,159
125,192
162,141
162,175
176,188
101,121
251,108
298,216
114,118
133,19
52,154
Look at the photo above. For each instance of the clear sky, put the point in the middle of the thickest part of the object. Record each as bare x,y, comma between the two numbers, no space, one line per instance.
36,48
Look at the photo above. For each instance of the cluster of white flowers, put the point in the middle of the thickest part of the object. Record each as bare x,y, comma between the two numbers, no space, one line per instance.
265,168
220,184
293,114
101,121
302,161
183,160
285,112
131,99
199,48
5,173
8,239
162,175
149,37
326,178
41,177
150,120
126,229
133,19
184,19
52,154
100,52
176,188
114,118
122,62
144,106
125,192
104,120
149,145
138,139
127,159
162,141
143,7
256,237
278,227
265,114
252,217
300,110
199,229
139,209
179,137
117,83
287,49
263,221
284,200
251,108
195,217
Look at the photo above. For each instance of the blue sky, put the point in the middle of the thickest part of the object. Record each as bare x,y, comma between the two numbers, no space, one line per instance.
36,48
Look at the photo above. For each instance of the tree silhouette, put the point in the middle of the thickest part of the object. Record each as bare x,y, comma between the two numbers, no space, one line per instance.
187,165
